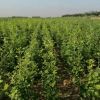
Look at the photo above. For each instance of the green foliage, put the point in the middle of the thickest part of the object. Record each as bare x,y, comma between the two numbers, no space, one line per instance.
91,82
49,69
29,61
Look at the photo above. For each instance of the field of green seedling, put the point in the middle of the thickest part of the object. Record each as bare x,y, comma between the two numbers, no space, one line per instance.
50,59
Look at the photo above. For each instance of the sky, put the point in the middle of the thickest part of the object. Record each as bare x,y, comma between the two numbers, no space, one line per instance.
46,8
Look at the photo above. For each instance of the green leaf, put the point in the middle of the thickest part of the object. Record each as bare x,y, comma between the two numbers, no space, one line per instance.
97,87
1,81
6,87
53,84
97,94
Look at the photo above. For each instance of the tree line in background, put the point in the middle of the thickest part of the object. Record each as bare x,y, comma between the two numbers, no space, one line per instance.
93,13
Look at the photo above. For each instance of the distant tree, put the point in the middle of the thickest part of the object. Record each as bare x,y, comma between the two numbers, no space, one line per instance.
92,13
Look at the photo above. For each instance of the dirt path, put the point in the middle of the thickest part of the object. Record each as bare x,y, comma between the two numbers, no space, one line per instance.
67,90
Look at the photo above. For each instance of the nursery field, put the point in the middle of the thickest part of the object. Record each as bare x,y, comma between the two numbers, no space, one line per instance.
50,58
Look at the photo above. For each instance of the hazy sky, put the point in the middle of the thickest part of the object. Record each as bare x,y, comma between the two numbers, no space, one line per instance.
46,7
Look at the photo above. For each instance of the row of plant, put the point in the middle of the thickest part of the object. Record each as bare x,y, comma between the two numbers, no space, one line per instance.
29,63
15,41
79,43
